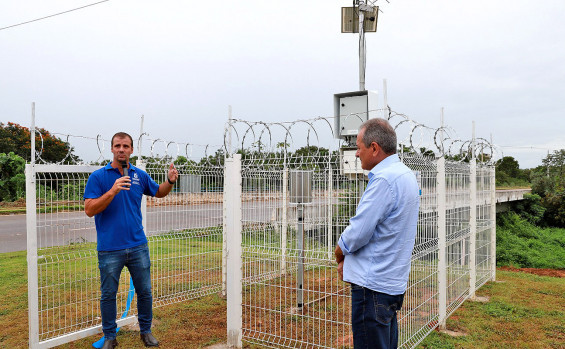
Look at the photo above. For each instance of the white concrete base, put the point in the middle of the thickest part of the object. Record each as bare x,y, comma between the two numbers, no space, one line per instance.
480,299
453,333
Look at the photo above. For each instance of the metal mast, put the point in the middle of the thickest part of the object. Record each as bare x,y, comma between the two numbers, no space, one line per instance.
362,53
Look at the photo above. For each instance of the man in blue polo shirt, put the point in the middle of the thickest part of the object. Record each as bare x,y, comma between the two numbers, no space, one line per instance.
115,202
374,251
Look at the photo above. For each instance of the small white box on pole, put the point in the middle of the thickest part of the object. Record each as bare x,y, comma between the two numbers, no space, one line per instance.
351,109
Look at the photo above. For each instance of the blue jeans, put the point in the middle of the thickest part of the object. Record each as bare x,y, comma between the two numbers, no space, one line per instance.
373,318
111,263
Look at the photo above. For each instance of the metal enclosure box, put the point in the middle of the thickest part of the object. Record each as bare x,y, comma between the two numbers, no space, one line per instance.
350,165
351,109
300,186
190,183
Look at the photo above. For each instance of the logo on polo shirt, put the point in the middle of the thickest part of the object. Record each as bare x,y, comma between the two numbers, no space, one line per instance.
135,179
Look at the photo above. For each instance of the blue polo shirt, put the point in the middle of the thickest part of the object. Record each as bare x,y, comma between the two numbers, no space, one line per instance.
119,226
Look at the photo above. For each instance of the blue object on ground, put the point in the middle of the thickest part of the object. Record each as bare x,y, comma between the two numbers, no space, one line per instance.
98,344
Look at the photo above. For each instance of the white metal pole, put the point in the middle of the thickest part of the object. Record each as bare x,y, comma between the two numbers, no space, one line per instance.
32,132
442,245
234,275
142,166
385,100
361,47
492,220
300,248
442,151
139,163
230,129
284,237
224,204
140,137
473,220
31,225
329,219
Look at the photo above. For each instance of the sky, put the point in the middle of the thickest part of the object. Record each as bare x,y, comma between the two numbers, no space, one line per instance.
180,64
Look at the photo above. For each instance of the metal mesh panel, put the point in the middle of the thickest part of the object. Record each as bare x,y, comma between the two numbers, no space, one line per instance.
185,233
292,297
67,266
185,237
485,224
458,231
419,313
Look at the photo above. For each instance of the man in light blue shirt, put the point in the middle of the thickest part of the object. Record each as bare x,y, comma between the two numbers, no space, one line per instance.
374,251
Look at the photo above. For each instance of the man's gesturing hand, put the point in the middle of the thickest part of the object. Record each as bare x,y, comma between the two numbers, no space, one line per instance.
173,174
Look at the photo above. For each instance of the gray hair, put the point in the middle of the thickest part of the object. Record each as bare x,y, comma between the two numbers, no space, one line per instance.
379,131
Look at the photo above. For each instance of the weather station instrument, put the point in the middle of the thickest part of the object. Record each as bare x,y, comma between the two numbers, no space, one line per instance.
351,109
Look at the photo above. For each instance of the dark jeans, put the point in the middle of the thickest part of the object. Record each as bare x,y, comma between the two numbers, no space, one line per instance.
111,263
373,318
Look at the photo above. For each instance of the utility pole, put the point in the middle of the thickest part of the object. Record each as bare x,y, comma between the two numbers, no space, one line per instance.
362,54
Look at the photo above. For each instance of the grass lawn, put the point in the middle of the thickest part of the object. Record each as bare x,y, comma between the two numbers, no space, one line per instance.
524,311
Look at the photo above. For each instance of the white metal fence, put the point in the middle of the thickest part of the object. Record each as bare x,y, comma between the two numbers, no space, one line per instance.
185,239
291,293
241,226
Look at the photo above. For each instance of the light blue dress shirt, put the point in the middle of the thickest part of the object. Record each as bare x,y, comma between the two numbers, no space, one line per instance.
379,240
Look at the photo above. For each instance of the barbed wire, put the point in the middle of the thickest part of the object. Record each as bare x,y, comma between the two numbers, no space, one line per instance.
170,149
419,137
264,141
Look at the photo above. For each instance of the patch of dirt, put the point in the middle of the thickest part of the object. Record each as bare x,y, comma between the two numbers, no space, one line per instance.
20,203
558,273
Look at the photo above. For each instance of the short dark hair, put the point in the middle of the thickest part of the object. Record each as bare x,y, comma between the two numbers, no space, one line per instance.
121,135
379,131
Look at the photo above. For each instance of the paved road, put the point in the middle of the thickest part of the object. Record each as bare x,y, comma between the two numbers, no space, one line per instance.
68,227
56,229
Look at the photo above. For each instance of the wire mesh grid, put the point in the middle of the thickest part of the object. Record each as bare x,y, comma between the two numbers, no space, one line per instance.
185,232
292,295
485,225
419,313
458,233
67,267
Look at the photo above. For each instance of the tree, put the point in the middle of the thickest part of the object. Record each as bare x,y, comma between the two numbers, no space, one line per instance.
12,177
549,183
509,166
17,139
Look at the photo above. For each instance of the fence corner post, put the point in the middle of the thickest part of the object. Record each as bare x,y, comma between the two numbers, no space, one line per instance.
32,280
493,223
234,272
442,244
473,229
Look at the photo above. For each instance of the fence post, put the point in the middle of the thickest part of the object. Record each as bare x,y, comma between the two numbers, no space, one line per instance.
284,220
442,237
142,166
329,222
31,225
234,274
32,282
493,223
473,229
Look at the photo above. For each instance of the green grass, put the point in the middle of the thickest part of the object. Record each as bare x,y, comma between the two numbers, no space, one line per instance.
46,209
524,245
524,311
